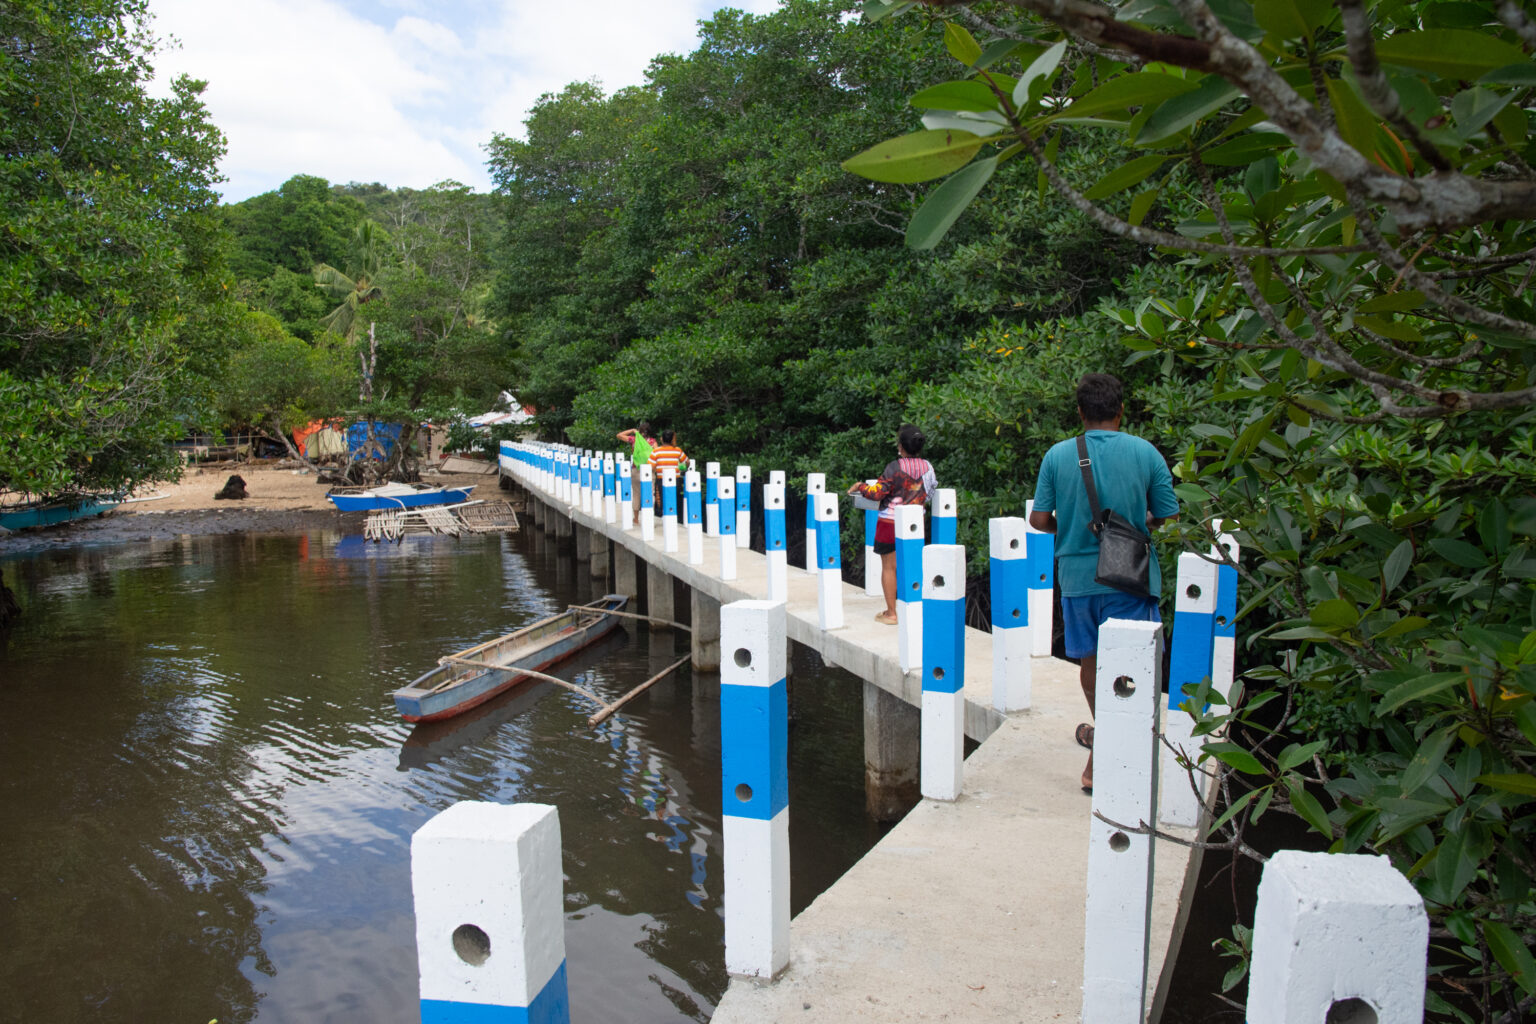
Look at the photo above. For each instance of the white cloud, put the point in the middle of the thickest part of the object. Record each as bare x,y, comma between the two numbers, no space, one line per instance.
319,87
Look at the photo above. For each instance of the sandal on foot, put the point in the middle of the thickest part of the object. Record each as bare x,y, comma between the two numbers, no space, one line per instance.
1084,735
885,617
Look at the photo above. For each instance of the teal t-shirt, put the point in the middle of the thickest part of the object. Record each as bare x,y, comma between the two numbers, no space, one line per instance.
1131,477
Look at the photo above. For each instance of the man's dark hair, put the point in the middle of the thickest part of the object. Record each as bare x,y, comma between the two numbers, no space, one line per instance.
667,436
644,427
1099,397
911,439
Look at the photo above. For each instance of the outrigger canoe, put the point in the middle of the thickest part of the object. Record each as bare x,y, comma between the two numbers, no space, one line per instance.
475,675
396,496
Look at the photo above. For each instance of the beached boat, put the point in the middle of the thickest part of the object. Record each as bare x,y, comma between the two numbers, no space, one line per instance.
367,499
473,676
51,513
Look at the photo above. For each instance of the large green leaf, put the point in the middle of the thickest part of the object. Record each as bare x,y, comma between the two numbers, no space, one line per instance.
1426,761
1417,689
1292,19
961,44
947,202
1307,806
1126,175
1178,113
960,95
1525,785
1128,91
1236,756
1509,949
1244,149
1450,52
1459,552
921,156
1040,69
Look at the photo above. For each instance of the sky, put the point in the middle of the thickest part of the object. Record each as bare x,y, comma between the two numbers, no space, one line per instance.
403,92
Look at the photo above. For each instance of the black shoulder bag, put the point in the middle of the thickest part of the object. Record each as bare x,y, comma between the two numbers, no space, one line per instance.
1125,553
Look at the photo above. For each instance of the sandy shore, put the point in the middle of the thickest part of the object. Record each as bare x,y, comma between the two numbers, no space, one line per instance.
281,497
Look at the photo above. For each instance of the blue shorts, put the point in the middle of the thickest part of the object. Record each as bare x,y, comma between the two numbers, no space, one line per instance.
1081,618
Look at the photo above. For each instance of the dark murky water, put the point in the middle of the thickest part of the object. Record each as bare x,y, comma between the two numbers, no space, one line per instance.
208,800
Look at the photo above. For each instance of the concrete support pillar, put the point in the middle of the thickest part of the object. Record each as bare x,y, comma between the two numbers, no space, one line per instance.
754,777
583,543
1117,919
891,741
659,597
490,924
563,525
536,512
1337,937
599,557
706,631
626,577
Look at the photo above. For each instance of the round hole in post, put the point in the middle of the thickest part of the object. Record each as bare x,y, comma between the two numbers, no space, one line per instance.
471,944
778,544
1124,686
938,581
1193,591
1221,620
744,792
1042,577
911,527
743,657
1013,545
1119,842
1015,613
1351,1011
916,585
938,673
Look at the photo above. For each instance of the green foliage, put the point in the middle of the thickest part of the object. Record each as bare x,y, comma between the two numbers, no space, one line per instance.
112,287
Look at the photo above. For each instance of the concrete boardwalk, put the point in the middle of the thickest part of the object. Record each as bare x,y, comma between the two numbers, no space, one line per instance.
965,911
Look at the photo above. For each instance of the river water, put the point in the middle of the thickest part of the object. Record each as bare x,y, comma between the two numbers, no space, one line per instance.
208,799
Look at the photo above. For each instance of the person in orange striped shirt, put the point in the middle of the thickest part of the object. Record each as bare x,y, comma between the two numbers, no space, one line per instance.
665,454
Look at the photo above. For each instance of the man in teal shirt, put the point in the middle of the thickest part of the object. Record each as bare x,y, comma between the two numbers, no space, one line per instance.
1131,477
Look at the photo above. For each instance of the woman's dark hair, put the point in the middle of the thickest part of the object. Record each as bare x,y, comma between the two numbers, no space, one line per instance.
644,427
1099,397
667,436
911,439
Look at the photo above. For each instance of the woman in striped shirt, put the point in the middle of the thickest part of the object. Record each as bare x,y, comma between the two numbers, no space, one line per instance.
907,480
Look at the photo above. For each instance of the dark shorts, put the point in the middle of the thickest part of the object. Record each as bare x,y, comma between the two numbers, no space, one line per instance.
885,537
1081,618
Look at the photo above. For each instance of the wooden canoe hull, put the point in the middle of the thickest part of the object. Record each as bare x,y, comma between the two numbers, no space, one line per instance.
534,647
25,517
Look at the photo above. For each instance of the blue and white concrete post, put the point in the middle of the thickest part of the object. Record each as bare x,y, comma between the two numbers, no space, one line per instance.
909,586
560,477
1042,585
695,511
669,507
872,563
743,506
586,482
754,786
943,722
726,492
829,565
1224,642
490,925
1012,647
610,490
711,499
647,503
1337,937
1189,662
567,477
776,476
775,538
946,524
815,483
626,494
1117,917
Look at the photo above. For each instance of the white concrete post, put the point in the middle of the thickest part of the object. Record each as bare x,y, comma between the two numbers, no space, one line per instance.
1118,914
626,494
1189,662
711,499
743,506
669,508
695,512
1337,937
1012,648
585,465
776,476
774,542
872,563
815,483
754,786
943,728
1042,585
829,564
610,490
490,924
909,586
647,503
946,525
726,494
566,466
